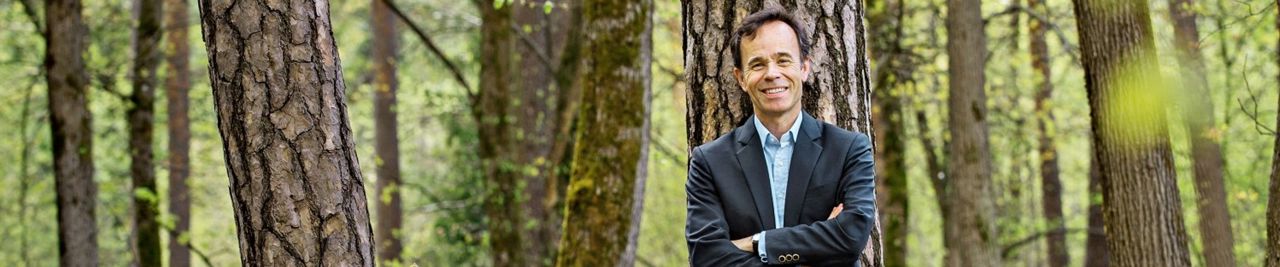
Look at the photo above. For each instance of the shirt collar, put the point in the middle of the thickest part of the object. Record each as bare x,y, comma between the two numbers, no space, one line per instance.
764,134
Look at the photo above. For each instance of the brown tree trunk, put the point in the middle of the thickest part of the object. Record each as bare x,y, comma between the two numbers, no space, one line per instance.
141,113
176,95
69,119
1273,202
387,141
1096,253
611,152
1197,114
1141,206
969,231
277,83
1050,184
838,91
494,114
892,74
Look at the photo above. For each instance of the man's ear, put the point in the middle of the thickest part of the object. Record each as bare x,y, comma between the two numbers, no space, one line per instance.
807,68
737,75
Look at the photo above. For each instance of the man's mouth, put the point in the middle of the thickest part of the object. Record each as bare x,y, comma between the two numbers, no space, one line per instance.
774,91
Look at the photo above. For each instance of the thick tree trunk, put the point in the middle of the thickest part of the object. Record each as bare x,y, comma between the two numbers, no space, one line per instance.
970,233
387,142
1096,253
495,115
141,113
611,152
176,95
1141,206
1050,184
1197,114
838,91
892,73
295,180
69,120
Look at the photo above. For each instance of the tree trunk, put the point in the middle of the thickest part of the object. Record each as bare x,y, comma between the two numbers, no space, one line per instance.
1141,206
1197,114
387,141
1096,253
72,136
611,152
277,83
141,113
1050,184
838,91
494,114
1273,202
892,74
969,231
176,93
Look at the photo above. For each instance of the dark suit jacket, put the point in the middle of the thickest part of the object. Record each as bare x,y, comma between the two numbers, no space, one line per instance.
728,193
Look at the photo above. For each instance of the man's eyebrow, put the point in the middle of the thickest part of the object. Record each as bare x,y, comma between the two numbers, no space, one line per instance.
755,60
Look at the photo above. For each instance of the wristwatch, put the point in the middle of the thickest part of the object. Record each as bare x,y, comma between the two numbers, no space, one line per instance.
755,243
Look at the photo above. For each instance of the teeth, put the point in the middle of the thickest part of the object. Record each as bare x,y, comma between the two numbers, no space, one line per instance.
774,90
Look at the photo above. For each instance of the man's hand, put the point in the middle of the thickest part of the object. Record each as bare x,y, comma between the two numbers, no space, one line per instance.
836,211
744,244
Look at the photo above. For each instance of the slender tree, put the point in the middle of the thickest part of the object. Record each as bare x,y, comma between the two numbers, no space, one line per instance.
1206,154
387,141
1050,184
969,230
69,120
141,121
610,159
1141,207
177,85
296,189
1096,252
1273,202
893,71
838,91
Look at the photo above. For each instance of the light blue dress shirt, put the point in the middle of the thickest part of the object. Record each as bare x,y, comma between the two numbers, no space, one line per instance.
777,157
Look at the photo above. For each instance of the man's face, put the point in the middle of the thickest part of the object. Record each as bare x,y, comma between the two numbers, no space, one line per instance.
774,71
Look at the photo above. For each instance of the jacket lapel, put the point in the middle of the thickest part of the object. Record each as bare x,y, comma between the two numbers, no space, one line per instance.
750,154
803,158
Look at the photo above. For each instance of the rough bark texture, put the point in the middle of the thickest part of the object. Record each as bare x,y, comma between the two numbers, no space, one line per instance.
838,91
970,232
611,152
69,120
1206,154
1096,253
1141,206
386,141
295,181
893,70
177,85
141,119
1050,184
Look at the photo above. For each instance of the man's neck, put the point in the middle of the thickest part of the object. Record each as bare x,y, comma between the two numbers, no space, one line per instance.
779,123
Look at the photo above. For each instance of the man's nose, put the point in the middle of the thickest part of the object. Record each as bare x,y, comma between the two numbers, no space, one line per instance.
774,72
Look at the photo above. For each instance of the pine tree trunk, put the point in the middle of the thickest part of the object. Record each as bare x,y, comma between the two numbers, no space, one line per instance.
176,95
1050,184
69,120
611,152
969,230
1197,114
892,73
141,113
277,83
838,91
1141,207
387,141
1096,253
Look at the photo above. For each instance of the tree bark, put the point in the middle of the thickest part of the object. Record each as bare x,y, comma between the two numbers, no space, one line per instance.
1050,183
277,83
1096,253
176,95
1197,114
969,231
1273,202
610,158
72,136
387,141
141,121
1141,206
494,114
893,71
838,91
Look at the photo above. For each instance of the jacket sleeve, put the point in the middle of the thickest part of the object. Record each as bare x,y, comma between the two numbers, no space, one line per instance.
846,235
705,227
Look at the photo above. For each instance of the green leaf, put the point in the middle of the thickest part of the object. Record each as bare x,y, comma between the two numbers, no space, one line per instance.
547,6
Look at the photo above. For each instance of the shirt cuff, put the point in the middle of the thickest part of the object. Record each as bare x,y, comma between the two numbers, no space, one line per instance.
760,249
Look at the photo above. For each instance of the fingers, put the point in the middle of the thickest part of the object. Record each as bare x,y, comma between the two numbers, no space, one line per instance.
836,211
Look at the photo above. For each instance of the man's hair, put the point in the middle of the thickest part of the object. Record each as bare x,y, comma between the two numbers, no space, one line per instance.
753,22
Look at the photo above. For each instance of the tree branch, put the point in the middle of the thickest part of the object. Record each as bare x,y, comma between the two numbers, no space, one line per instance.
537,51
1008,249
30,10
457,74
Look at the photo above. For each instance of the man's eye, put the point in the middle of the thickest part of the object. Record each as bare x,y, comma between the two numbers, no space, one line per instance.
757,66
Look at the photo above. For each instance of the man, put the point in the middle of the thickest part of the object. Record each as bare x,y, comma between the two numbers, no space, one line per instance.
783,188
